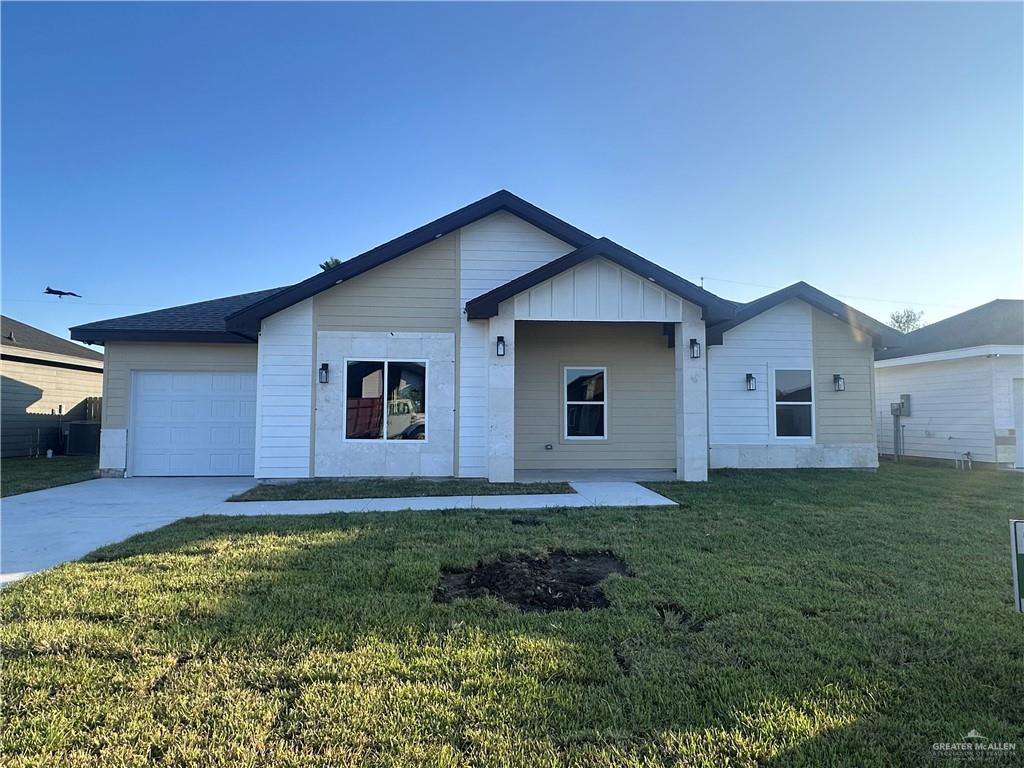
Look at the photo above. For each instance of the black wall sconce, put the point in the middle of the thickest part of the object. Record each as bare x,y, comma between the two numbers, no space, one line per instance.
694,349
838,382
325,375
500,349
751,382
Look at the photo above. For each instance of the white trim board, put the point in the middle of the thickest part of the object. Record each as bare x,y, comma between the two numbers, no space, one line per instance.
952,354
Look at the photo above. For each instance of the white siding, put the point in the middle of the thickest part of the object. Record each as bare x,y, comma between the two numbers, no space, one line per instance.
492,251
598,289
777,338
284,393
950,410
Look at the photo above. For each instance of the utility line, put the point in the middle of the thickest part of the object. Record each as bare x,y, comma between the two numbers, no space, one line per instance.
908,302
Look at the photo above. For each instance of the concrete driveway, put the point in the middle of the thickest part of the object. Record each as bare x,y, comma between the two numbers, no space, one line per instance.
44,528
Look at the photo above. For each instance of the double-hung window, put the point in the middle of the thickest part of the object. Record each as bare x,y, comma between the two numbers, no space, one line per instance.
586,410
794,403
385,400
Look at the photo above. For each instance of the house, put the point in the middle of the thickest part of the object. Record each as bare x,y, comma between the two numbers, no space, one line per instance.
497,339
965,379
45,382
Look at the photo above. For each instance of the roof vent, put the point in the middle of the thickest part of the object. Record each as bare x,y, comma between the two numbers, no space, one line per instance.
10,336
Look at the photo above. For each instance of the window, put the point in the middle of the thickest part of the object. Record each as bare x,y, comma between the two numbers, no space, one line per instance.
793,403
385,400
586,415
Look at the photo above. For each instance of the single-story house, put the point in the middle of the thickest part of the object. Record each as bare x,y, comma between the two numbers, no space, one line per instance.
962,379
45,383
497,339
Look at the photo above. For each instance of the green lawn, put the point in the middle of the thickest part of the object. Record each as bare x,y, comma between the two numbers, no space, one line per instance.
24,475
809,618
397,487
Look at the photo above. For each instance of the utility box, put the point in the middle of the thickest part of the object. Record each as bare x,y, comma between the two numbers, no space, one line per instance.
896,408
904,405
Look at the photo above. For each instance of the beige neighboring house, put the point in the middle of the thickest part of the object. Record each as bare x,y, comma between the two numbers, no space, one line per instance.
497,341
47,382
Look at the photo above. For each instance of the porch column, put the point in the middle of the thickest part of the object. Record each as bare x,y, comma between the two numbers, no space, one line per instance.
501,386
691,403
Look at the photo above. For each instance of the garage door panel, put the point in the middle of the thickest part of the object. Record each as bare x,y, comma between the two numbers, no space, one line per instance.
190,423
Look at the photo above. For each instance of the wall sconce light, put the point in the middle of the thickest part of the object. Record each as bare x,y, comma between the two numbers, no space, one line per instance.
694,349
325,375
838,382
751,382
501,346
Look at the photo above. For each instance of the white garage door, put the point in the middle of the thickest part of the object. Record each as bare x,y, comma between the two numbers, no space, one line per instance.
187,423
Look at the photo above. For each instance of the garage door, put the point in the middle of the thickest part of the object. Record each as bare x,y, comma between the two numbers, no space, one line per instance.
186,423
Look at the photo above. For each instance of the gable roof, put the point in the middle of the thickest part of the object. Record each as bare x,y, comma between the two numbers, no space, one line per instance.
1000,322
715,308
247,320
17,335
882,335
202,322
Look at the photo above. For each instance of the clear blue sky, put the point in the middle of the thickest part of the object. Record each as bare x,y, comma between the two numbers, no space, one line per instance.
157,154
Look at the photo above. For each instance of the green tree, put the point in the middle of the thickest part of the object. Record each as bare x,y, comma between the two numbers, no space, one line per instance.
331,263
906,320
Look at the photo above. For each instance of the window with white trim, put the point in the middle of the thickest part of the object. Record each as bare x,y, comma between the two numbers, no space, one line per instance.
585,411
794,403
385,400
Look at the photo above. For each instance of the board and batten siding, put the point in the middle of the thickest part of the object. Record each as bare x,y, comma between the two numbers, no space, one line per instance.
640,391
848,416
30,395
951,408
284,393
491,251
414,293
780,337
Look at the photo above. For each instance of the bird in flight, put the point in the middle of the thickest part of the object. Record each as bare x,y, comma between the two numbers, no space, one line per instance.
59,294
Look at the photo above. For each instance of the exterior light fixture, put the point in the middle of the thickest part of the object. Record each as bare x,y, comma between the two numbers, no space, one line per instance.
325,375
500,350
694,349
838,382
751,382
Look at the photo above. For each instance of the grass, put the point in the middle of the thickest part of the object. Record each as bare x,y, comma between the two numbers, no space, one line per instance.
387,488
814,618
24,475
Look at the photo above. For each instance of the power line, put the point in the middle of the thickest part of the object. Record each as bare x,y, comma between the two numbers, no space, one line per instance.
843,295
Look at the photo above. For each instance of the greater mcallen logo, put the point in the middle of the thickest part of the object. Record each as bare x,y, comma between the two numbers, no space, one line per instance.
974,746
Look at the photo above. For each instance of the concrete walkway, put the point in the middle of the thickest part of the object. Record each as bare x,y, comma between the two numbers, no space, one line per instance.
41,529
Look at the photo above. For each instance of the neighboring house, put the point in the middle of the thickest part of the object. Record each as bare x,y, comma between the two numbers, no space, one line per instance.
495,339
965,378
46,382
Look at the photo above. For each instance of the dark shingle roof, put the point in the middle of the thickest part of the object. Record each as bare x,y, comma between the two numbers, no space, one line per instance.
19,336
998,322
202,321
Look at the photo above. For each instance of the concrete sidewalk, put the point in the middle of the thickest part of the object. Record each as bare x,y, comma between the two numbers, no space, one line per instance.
41,529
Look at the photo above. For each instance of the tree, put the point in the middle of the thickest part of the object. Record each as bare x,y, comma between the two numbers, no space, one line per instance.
906,320
330,263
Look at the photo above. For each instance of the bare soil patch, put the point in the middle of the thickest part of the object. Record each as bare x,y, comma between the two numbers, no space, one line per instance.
559,582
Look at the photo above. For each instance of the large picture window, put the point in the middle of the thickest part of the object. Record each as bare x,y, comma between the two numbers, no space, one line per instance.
586,411
385,400
794,402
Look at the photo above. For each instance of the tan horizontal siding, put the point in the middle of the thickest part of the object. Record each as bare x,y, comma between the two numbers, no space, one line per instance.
124,357
30,395
842,417
640,392
415,292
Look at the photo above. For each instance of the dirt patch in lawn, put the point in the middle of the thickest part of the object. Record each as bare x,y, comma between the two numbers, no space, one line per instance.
559,582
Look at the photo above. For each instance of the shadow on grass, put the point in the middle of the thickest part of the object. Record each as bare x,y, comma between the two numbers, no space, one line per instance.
815,621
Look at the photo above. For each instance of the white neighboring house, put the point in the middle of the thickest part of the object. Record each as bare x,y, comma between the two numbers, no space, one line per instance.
496,340
965,378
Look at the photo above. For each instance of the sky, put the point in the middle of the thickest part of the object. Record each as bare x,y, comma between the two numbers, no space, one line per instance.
158,154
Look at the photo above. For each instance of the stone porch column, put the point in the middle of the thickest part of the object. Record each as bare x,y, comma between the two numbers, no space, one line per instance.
691,402
501,392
